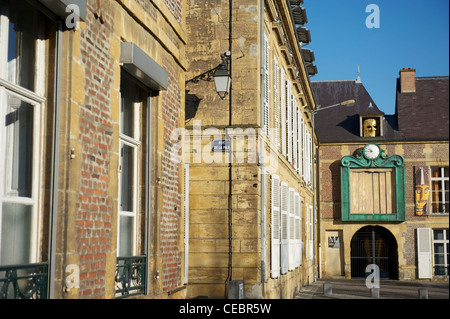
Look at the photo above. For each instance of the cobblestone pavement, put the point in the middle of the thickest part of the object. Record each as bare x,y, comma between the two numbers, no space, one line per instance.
389,289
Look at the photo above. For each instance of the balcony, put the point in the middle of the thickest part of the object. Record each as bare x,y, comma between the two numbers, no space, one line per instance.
130,276
27,281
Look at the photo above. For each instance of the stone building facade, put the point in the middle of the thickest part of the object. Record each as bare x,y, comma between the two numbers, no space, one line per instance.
409,240
251,209
92,92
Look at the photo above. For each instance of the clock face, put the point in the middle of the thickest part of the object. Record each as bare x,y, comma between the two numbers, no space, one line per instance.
371,151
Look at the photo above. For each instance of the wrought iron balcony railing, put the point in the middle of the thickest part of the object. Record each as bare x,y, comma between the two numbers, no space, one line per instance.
28,281
130,276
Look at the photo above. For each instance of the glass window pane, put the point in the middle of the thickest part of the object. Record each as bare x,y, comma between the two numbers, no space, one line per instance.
129,94
126,236
16,234
127,184
19,147
438,248
24,23
438,234
438,259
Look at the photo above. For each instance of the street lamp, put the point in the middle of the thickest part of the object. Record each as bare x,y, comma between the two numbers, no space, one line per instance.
222,77
348,103
220,74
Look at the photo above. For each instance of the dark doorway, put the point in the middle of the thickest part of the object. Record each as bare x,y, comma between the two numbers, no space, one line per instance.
374,245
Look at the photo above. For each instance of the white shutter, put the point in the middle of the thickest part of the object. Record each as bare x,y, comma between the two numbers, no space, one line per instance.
275,226
299,142
186,223
294,132
311,232
291,229
276,103
303,151
283,112
424,252
307,234
297,230
289,121
310,168
284,228
300,229
266,85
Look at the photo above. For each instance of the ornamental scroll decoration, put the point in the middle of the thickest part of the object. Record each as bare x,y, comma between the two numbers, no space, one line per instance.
383,160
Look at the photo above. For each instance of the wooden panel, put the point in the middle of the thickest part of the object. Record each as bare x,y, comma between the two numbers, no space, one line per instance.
372,191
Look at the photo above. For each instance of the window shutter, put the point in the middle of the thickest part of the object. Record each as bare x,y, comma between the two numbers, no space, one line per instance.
311,233
186,223
284,227
299,142
303,151
266,85
291,229
276,104
275,226
283,112
424,252
294,132
300,230
297,230
306,232
289,121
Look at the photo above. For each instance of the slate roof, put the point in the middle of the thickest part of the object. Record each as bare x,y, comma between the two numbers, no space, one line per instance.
423,115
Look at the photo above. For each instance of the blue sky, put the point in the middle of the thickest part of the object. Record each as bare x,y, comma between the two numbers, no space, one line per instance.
412,33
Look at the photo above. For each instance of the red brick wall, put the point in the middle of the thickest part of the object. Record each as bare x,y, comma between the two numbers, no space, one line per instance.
171,210
176,7
94,206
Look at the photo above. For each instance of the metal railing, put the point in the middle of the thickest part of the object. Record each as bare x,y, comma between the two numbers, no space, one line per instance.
130,276
27,281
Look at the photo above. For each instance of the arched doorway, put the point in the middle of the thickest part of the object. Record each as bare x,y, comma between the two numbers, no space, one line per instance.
374,245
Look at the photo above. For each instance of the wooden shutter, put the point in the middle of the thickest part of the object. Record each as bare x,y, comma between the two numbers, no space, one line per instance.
300,229
276,103
275,226
303,151
186,223
266,84
424,252
299,142
311,232
284,227
289,121
291,229
297,230
294,132
283,112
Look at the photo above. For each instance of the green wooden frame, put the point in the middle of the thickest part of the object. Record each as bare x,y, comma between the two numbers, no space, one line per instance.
381,161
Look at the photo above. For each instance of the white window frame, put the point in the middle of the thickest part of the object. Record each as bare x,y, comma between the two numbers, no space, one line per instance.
441,179
291,239
37,100
444,243
134,143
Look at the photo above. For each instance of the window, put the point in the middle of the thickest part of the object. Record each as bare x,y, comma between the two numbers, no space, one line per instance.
266,86
130,168
441,252
22,69
439,190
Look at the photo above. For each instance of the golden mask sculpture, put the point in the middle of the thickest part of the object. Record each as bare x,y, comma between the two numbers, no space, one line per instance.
422,193
370,128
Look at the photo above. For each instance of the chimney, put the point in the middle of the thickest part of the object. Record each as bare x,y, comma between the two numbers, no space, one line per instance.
407,80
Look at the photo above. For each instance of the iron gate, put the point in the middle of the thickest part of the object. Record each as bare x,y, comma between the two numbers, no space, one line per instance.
374,245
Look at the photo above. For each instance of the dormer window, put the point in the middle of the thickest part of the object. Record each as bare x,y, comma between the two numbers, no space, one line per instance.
371,125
